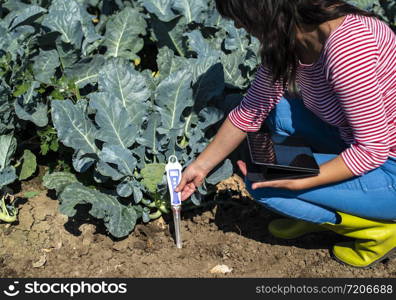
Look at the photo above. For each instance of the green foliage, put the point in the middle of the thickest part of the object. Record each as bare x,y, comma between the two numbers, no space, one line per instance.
119,219
7,170
152,175
48,140
8,213
29,165
123,31
31,194
58,180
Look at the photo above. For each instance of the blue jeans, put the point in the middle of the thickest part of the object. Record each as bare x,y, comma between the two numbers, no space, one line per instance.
371,196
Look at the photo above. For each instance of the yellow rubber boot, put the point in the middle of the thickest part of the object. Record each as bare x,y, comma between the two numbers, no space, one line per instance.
375,240
292,228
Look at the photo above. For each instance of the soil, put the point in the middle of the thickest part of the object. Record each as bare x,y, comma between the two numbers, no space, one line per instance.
44,243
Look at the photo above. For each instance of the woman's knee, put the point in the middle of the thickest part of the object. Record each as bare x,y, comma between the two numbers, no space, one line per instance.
291,117
285,202
279,120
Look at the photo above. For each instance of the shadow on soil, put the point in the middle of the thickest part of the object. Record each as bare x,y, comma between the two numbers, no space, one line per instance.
249,219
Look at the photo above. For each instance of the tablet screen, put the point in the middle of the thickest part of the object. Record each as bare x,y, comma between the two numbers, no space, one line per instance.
282,151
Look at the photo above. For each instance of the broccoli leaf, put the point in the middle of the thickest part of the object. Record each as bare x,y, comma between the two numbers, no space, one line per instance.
116,128
120,80
161,8
191,10
58,180
45,65
22,14
73,126
29,165
122,34
173,96
64,17
86,70
118,158
119,219
171,34
7,149
223,172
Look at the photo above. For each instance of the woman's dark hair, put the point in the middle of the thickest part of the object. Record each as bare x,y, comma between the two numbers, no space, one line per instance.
275,23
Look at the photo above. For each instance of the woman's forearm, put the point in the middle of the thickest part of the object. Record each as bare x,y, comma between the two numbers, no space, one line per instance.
332,171
227,139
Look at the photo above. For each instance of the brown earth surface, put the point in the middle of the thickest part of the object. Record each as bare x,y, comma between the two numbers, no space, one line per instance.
44,243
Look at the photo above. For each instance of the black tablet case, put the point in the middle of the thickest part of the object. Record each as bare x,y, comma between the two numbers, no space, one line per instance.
274,157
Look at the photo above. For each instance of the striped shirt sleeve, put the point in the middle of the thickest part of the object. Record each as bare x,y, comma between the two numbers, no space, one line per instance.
260,99
351,71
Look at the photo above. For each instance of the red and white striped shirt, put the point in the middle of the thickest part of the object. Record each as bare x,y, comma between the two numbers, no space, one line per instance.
352,86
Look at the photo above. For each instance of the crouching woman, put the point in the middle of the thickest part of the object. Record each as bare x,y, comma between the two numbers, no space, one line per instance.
344,62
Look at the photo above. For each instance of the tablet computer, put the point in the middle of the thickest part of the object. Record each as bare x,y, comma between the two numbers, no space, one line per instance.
274,157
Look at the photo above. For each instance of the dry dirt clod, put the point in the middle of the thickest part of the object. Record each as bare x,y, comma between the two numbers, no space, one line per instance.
140,245
150,243
41,262
87,229
25,218
87,241
121,245
84,250
221,269
160,223
58,245
7,229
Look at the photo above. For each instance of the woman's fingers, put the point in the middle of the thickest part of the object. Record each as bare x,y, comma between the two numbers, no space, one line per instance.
189,189
184,195
290,184
242,166
198,180
192,177
182,183
186,187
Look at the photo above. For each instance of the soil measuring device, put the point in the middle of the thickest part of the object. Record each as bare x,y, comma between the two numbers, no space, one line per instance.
173,175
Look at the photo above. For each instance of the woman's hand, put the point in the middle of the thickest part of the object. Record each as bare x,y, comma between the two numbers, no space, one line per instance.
290,184
332,171
192,177
226,140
